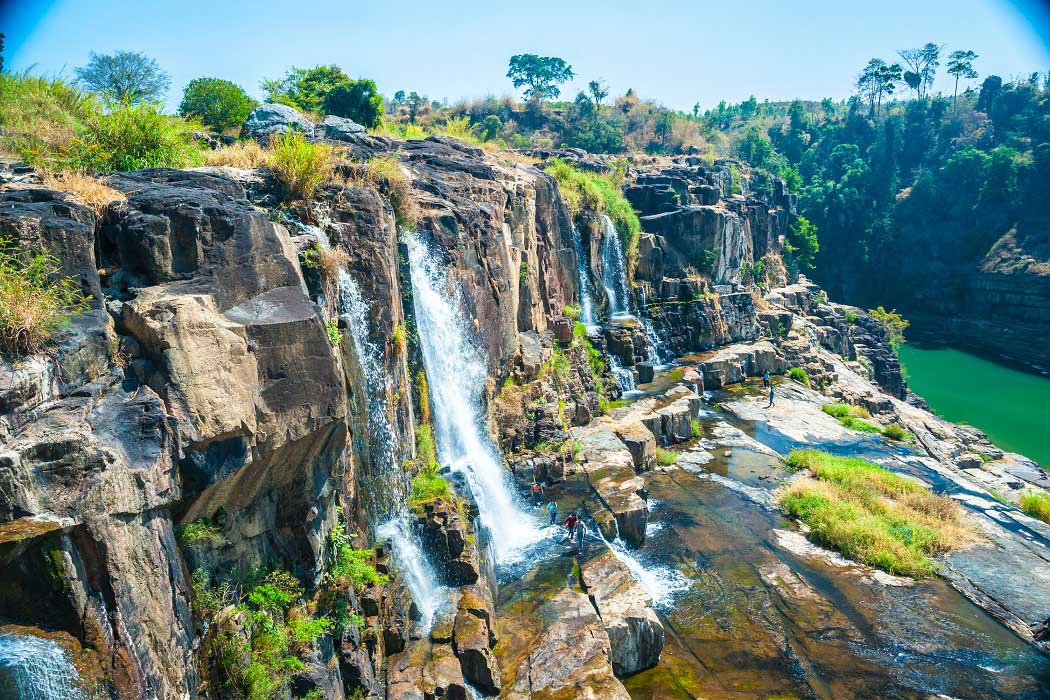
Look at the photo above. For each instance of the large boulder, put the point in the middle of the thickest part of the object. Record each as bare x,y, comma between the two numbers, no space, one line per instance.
641,443
636,636
474,638
269,120
570,657
340,128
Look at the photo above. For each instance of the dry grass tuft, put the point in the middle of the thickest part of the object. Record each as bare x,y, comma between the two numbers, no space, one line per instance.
242,154
300,165
85,189
385,175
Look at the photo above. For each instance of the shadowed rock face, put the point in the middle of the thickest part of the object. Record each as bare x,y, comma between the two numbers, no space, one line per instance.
232,398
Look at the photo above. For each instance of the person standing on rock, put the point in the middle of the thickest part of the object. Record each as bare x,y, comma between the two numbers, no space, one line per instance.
569,524
580,532
771,396
552,508
537,493
765,378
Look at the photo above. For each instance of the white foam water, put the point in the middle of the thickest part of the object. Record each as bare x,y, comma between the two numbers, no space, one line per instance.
428,595
614,271
33,668
457,374
661,582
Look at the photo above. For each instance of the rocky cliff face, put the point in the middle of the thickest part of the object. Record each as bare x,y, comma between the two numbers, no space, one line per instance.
244,359
203,386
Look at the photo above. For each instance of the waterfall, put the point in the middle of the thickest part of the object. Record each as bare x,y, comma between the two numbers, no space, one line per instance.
624,376
33,668
655,343
587,316
457,374
382,440
614,271
420,578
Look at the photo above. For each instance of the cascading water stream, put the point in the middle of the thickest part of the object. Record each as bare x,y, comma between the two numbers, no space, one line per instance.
382,442
587,316
457,375
427,594
33,668
614,271
662,583
384,449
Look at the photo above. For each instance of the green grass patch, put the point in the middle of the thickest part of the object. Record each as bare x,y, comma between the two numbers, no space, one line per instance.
428,486
1036,504
870,514
842,410
697,431
200,533
852,417
571,312
598,193
666,458
799,375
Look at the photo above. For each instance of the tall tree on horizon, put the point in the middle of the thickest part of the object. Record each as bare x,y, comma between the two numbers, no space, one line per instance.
960,65
876,80
922,67
539,75
127,77
598,93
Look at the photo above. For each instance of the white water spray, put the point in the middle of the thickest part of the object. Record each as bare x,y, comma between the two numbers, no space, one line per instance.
614,271
662,583
587,316
428,595
457,375
33,668
382,440
384,449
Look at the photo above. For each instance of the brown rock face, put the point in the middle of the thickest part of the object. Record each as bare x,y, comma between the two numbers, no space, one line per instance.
636,636
641,442
571,656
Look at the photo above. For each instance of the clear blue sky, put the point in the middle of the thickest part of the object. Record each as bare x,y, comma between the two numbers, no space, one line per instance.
677,52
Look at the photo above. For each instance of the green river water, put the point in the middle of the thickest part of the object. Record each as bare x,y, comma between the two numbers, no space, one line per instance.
1010,405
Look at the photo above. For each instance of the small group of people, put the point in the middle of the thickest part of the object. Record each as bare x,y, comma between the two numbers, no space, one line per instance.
575,527
576,530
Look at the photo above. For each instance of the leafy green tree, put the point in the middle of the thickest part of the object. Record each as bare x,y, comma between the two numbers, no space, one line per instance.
803,243
696,110
960,65
490,127
876,80
749,107
399,96
598,93
127,77
218,103
414,103
922,67
305,88
539,75
356,99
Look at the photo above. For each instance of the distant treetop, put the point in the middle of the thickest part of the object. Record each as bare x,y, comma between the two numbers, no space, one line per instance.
127,77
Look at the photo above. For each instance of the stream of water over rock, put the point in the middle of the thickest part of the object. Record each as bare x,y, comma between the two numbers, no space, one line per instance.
457,373
386,503
33,668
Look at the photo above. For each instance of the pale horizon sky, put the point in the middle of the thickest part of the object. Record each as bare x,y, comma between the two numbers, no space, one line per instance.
673,51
